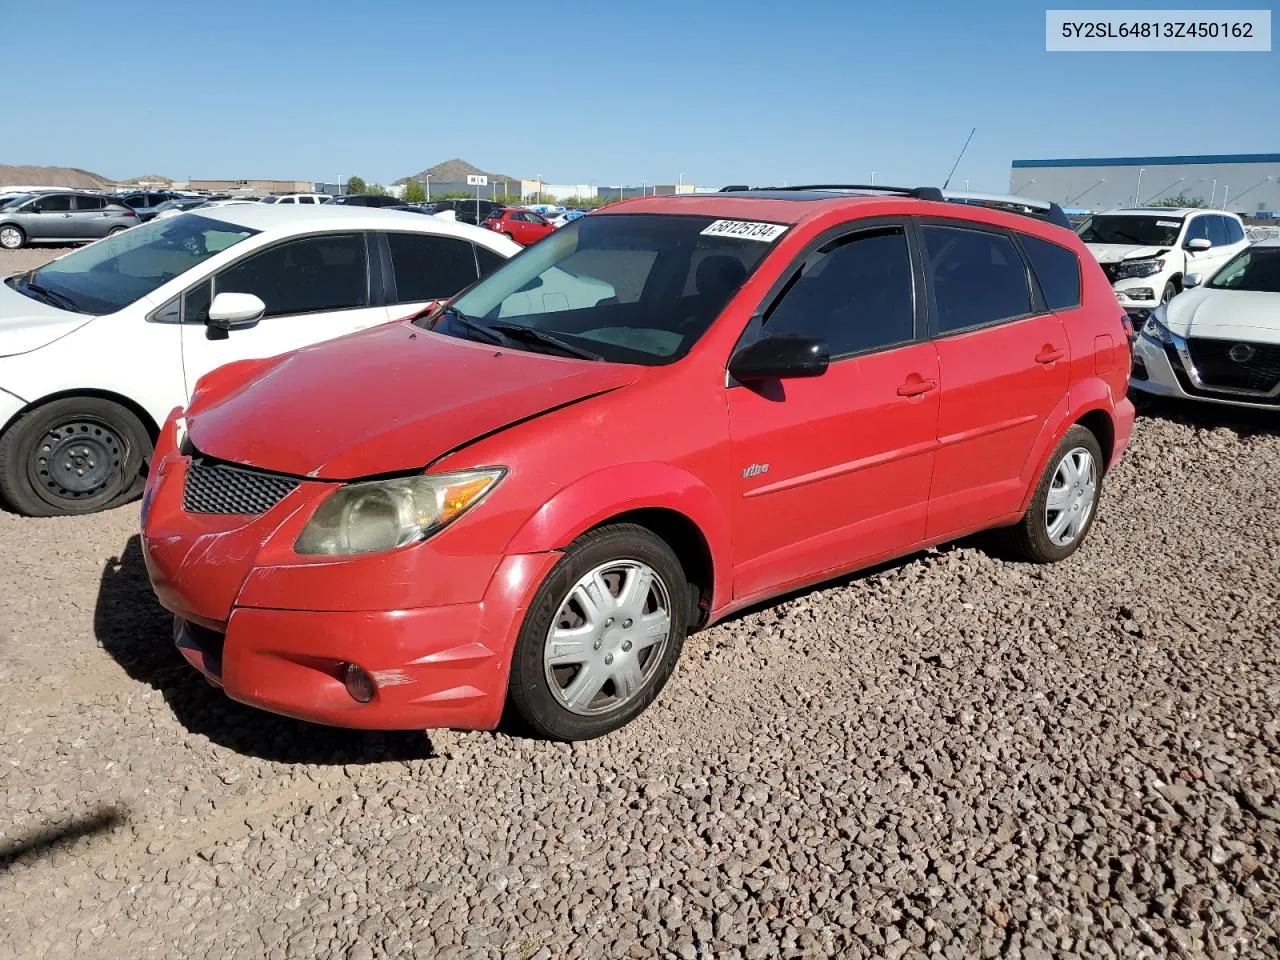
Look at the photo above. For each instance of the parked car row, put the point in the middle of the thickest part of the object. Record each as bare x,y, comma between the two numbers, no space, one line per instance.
56,216
524,499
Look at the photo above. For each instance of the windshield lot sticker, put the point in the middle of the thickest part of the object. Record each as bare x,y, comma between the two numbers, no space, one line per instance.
746,230
1168,223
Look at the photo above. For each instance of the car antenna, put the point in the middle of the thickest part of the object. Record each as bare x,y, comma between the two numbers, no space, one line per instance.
957,163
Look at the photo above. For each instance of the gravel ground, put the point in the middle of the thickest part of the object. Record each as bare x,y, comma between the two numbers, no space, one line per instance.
952,756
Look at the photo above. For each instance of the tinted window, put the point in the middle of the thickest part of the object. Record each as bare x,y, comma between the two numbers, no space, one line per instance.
978,277
135,200
1256,268
430,268
1218,231
1057,269
488,260
195,303
268,199
855,293
1131,229
1235,232
304,276
1198,230
57,202
90,203
306,199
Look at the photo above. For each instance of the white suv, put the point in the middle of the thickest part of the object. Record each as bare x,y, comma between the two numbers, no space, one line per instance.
1146,252
286,198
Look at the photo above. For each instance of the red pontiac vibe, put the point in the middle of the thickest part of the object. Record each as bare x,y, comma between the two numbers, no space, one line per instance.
661,413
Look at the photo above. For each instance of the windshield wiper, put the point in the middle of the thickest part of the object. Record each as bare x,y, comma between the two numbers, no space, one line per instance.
59,300
515,330
487,333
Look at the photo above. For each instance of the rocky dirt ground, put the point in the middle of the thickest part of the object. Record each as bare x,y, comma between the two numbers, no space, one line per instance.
953,756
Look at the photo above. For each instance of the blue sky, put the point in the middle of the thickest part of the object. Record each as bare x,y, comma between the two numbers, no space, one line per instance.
580,92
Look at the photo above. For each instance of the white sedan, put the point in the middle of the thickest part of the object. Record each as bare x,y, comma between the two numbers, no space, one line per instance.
1219,341
97,346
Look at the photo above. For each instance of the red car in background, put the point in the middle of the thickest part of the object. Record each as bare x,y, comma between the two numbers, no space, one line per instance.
675,408
522,226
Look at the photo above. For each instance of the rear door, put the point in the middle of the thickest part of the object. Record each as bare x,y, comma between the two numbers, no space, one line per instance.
426,269
315,288
1003,368
834,470
89,217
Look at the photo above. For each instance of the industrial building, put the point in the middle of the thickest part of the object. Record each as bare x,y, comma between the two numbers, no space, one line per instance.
1244,183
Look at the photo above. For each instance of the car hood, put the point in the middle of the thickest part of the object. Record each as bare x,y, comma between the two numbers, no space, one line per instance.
1225,315
27,324
385,400
1115,252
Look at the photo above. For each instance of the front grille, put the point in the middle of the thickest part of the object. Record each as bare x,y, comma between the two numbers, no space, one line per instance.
1217,368
215,487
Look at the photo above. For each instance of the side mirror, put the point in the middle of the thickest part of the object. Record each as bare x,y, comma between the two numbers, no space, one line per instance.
1191,280
781,356
1199,243
231,310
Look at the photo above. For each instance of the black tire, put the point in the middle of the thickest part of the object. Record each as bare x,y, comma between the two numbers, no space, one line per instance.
1170,291
73,456
530,696
7,234
1030,537
116,231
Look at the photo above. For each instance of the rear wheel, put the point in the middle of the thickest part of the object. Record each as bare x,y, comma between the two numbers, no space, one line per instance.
11,237
73,456
602,635
1065,502
116,230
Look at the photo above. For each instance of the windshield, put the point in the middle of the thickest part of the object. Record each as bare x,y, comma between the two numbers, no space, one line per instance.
1131,229
112,273
629,288
1256,269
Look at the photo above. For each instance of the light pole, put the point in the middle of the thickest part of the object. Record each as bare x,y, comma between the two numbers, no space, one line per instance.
428,185
1213,190
1079,195
1226,189
873,177
1138,189
538,176
643,188
680,181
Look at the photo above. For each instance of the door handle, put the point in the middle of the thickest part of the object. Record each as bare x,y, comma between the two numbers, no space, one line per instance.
1049,354
916,386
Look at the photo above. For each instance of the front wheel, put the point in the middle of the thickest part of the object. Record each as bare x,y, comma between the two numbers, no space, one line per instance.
1170,291
1065,502
11,237
602,635
73,456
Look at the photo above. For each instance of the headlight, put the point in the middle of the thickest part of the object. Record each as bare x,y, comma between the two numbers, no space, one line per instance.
1155,328
385,514
1139,268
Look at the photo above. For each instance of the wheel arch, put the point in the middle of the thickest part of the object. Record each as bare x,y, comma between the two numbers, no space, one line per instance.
144,417
674,504
1089,405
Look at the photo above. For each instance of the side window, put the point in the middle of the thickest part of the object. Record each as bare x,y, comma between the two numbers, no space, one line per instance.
978,277
1235,232
57,203
429,267
856,293
304,276
1198,230
286,200
307,200
1057,269
488,260
85,202
1218,231
195,303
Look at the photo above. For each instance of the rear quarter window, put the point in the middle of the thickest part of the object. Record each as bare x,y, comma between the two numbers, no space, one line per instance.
1057,269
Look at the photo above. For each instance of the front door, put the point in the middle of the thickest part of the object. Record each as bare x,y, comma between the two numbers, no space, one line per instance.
54,220
315,288
1003,369
834,471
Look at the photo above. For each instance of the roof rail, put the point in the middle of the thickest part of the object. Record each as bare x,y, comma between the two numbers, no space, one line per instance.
920,193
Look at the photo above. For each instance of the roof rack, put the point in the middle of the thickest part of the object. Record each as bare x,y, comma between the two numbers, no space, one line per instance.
920,193
1040,209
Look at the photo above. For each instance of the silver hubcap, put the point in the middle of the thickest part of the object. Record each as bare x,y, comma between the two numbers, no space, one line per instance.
608,637
1071,496
10,237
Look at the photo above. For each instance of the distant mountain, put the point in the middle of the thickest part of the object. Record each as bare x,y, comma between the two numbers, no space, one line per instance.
15,175
154,179
456,171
